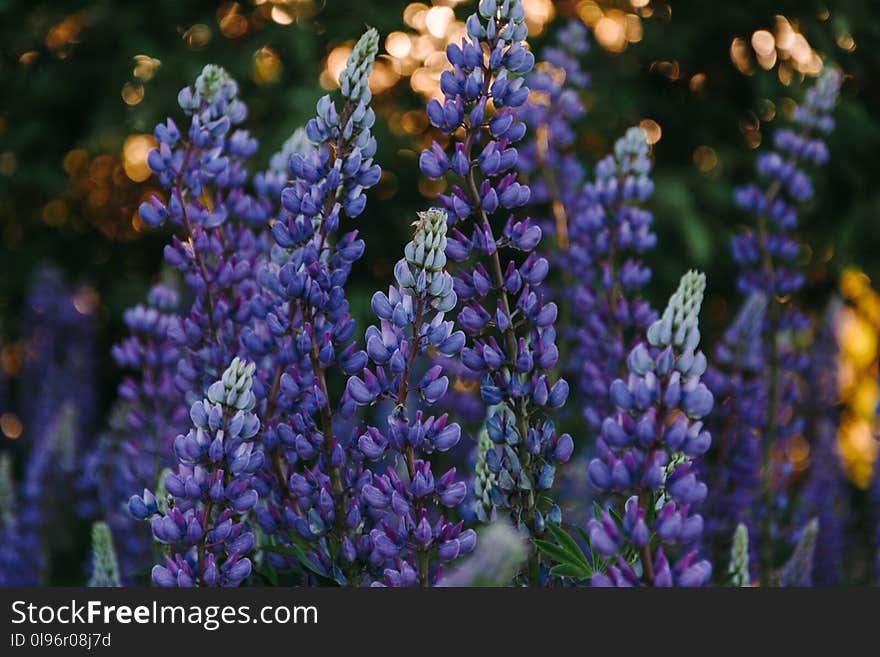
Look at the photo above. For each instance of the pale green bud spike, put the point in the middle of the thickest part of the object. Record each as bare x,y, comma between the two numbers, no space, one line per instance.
234,387
427,250
214,81
798,570
353,80
7,488
679,324
631,152
105,569
739,557
484,479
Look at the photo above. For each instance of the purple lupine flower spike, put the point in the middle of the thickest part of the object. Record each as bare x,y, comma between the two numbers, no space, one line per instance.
207,526
413,531
509,323
303,320
648,454
609,232
768,254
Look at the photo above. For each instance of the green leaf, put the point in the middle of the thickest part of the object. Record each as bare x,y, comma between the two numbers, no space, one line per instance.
570,570
555,552
568,543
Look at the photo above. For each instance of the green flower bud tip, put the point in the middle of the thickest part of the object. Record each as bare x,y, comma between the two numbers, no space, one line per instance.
234,387
427,250
105,569
353,80
679,324
739,557
212,81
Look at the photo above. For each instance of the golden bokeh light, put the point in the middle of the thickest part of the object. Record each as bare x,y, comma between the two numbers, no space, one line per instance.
398,45
538,14
846,42
231,22
135,149
785,46
652,129
705,158
145,67
610,31
335,64
741,55
857,327
132,93
11,425
266,66
437,20
66,31
197,36
614,28
86,300
697,83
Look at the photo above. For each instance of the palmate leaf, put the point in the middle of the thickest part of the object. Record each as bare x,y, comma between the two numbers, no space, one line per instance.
570,559
570,570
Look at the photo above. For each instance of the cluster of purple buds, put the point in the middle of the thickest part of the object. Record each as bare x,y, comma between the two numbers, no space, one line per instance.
647,453
510,326
153,354
270,183
608,236
210,494
219,249
203,168
788,184
303,321
768,255
411,527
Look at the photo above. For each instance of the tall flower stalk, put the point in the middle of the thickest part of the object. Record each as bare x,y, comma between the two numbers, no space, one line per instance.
509,324
215,247
733,465
204,524
767,253
647,455
309,328
609,234
413,527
